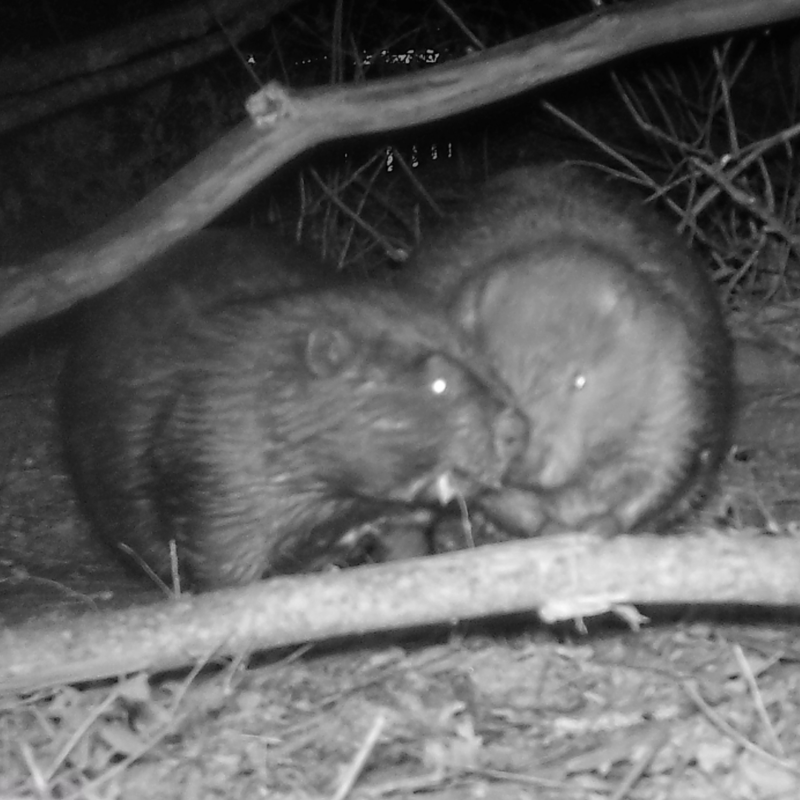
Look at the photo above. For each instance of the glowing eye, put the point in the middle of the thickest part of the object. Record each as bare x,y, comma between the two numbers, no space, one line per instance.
439,386
580,381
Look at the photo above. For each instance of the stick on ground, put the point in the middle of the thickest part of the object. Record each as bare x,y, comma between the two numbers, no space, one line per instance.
562,576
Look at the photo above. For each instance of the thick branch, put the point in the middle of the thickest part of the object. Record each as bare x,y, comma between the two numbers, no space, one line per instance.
561,576
290,124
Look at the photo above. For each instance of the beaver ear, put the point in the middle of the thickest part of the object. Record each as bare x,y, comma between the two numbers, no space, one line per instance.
478,299
466,308
328,351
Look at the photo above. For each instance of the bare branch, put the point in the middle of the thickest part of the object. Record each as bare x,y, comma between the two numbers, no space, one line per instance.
561,576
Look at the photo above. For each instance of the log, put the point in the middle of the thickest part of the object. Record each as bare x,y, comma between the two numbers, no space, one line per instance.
559,577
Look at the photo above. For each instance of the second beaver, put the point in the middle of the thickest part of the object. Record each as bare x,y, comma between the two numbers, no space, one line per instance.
209,404
608,329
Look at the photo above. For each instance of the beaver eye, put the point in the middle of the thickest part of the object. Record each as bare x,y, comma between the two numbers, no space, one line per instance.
443,378
579,381
439,386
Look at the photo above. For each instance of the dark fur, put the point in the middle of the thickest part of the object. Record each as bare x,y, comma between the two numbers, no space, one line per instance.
607,328
254,425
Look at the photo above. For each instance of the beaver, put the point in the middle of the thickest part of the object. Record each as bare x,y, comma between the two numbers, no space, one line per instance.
607,328
209,402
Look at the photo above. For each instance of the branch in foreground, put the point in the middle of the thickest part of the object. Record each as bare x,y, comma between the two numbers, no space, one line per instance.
570,573
294,123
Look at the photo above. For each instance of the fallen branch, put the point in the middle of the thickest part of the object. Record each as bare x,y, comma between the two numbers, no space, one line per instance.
291,123
559,577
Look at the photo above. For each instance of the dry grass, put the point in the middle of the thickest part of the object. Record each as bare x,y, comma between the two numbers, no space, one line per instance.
717,149
688,711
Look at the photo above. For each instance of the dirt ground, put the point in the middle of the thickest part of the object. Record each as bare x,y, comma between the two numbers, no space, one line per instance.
686,708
